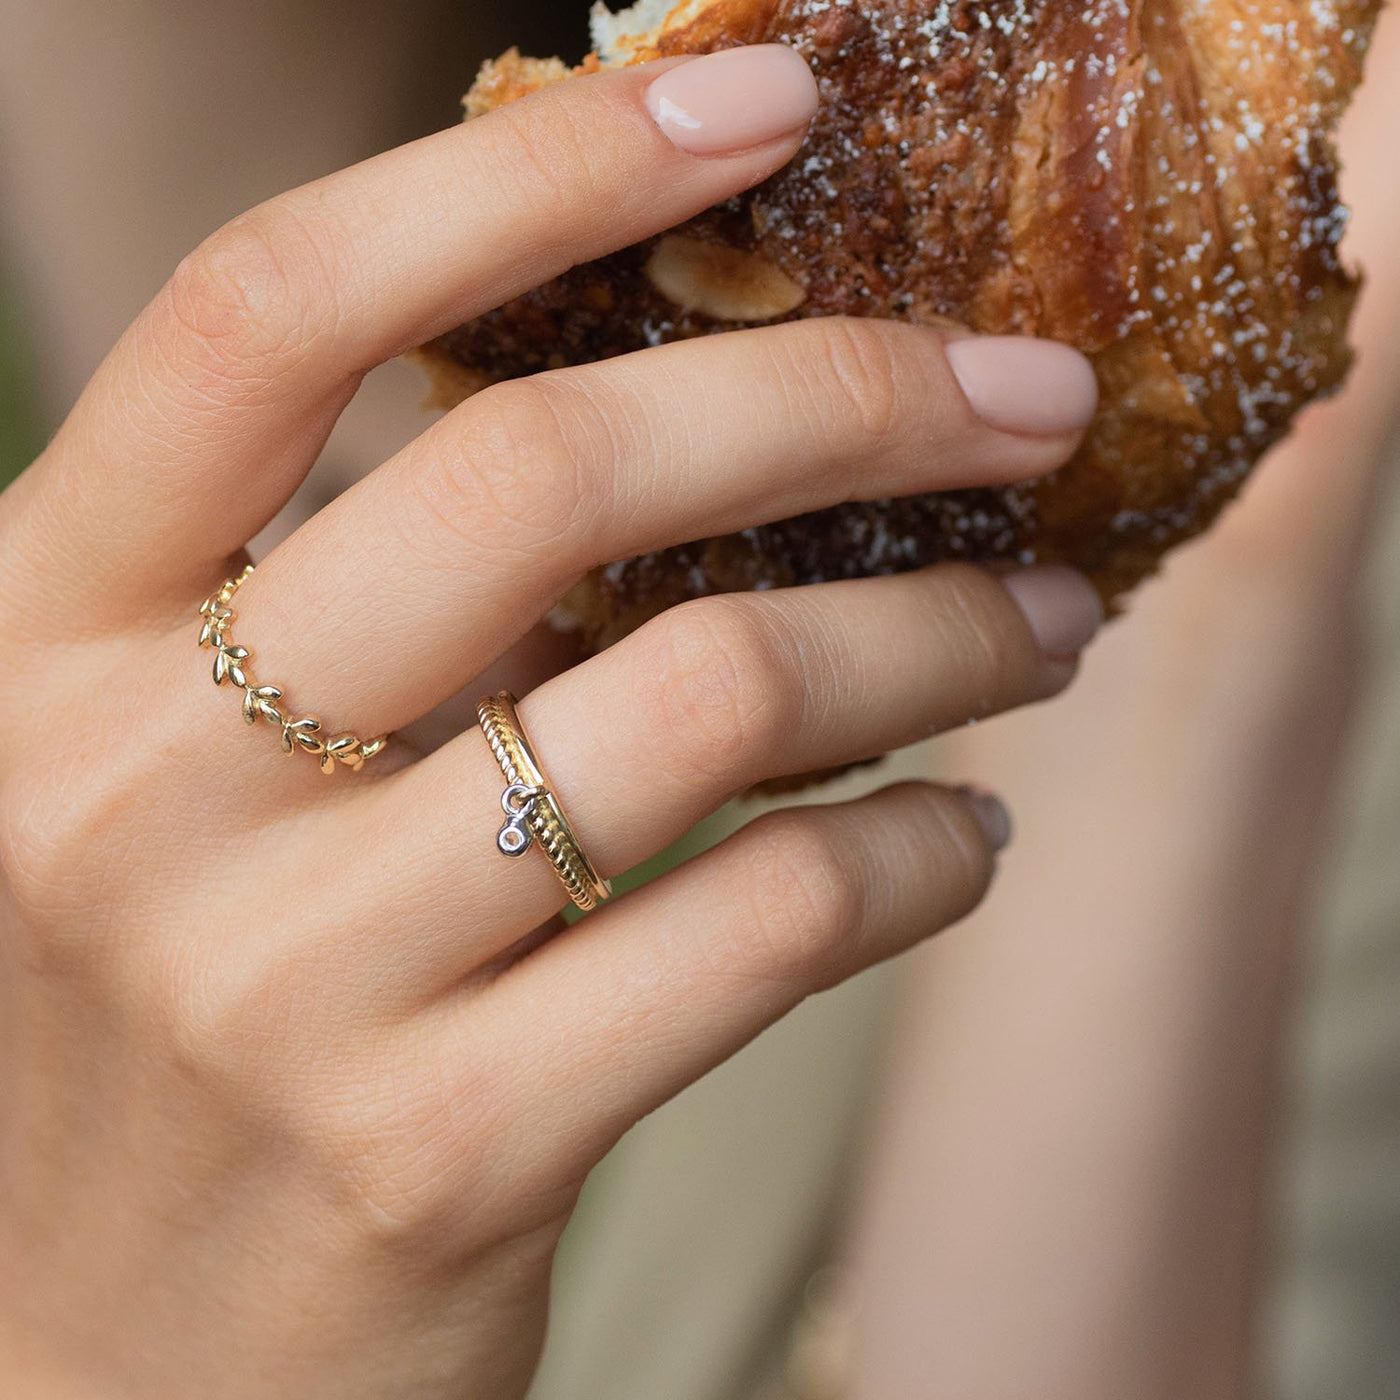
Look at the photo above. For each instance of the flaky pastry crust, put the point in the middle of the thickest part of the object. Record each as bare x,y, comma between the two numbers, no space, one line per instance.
1152,181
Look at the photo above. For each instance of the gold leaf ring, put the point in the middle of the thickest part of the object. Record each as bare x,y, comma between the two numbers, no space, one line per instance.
233,665
533,813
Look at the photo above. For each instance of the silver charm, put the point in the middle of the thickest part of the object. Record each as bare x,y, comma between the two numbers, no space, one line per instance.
518,803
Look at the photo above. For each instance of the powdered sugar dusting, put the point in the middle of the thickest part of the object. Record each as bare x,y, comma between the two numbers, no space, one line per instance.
1150,180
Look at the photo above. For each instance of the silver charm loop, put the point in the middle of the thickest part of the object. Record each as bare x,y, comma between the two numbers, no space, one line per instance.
518,803
533,814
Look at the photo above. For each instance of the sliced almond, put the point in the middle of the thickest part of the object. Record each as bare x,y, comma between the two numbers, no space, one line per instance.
725,283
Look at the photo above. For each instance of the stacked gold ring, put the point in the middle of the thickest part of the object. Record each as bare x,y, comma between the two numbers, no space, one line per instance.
533,813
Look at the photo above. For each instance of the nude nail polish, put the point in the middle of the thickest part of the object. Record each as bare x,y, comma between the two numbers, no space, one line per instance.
731,101
992,815
1018,384
1061,605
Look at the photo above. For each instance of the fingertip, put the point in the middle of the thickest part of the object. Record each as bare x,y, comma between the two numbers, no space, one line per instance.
1061,605
990,813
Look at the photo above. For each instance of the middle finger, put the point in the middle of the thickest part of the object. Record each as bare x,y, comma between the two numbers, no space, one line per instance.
451,551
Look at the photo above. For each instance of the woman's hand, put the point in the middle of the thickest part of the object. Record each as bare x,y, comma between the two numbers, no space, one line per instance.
298,1089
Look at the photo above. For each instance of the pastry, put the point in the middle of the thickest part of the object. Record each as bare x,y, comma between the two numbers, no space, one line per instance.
1152,181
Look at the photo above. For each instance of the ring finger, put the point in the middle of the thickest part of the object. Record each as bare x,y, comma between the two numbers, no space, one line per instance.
712,697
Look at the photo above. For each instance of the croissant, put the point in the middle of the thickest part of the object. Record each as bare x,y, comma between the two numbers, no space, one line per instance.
1152,181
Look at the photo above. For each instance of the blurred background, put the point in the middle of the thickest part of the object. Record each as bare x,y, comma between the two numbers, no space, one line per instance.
21,420
706,1262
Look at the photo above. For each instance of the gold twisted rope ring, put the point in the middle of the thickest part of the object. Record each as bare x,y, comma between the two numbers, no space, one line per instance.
533,813
232,665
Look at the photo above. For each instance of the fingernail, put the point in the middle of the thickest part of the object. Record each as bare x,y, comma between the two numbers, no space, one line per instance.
992,815
1020,385
734,100
1063,608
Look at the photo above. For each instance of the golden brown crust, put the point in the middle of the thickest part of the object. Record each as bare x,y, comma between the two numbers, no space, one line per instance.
1149,180
510,77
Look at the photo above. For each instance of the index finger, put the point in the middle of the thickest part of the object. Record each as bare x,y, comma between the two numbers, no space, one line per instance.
210,410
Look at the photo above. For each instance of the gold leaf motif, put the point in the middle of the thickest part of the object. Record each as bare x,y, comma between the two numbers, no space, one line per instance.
346,749
230,665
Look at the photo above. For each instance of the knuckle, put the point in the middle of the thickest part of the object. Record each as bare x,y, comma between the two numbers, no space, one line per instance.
510,473
254,295
391,1165
395,1185
805,900
250,1036
407,1181
57,841
427,1153
33,859
722,688
221,1023
361,1121
864,372
245,1030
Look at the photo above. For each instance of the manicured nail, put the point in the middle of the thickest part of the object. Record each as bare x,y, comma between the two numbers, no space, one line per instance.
1061,605
1020,385
734,100
992,815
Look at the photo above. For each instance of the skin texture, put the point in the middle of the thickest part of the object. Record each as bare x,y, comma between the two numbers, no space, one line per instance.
300,1087
223,134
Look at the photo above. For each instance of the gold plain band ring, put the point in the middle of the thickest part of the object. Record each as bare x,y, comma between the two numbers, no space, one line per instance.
533,813
233,665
